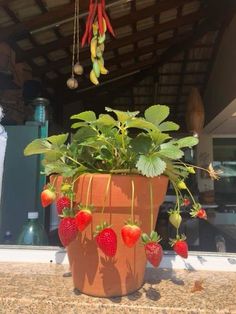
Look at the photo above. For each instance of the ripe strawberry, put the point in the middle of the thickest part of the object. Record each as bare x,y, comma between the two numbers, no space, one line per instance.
106,239
48,196
180,246
130,234
175,218
186,201
153,249
67,230
83,218
198,211
62,203
201,214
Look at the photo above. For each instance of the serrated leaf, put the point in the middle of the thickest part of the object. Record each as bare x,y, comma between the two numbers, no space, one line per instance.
168,126
156,114
38,146
140,123
151,166
122,116
58,139
141,144
188,141
106,120
60,168
84,133
88,116
78,125
170,151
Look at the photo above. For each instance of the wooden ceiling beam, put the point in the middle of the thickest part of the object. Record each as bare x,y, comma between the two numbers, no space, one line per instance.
123,57
157,29
149,67
63,12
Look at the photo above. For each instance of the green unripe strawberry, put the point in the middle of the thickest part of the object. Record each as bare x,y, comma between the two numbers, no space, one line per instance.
175,218
181,185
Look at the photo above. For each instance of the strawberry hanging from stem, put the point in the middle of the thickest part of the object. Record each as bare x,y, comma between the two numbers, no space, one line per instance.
153,249
84,217
48,196
106,239
131,231
180,246
198,211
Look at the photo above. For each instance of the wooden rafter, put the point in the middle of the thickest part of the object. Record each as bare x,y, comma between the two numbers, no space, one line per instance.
118,22
63,12
148,67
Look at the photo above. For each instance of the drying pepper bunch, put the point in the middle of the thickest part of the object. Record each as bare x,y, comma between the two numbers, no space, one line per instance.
97,25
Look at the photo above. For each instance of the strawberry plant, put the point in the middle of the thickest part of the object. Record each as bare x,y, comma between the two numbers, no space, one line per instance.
119,142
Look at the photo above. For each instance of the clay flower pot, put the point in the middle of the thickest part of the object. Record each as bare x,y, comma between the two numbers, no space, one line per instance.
94,273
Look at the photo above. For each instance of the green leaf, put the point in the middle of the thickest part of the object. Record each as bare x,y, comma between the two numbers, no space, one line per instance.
106,153
107,120
156,114
78,125
38,146
84,133
170,151
58,139
52,155
88,116
159,137
151,166
168,126
140,123
141,144
188,141
59,167
123,116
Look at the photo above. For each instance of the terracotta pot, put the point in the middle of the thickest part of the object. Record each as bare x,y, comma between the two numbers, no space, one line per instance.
94,273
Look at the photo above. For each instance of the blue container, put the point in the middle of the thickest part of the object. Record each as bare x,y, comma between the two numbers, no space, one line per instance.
40,112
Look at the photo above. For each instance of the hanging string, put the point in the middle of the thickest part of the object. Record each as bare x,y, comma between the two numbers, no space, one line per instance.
78,26
74,41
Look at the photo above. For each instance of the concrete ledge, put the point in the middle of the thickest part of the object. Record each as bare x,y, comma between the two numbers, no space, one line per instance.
56,255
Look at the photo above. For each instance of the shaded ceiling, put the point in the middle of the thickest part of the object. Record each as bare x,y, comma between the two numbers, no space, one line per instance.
162,47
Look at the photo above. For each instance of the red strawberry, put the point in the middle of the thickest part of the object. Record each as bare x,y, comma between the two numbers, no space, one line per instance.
198,211
83,218
62,203
67,230
153,249
186,201
154,253
201,214
180,246
106,239
48,196
130,234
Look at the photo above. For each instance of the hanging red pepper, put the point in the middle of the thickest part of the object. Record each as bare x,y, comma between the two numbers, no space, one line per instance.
86,33
93,14
108,23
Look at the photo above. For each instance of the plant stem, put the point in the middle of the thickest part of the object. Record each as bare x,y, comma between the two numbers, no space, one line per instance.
106,193
191,195
132,202
151,205
88,190
177,192
75,161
